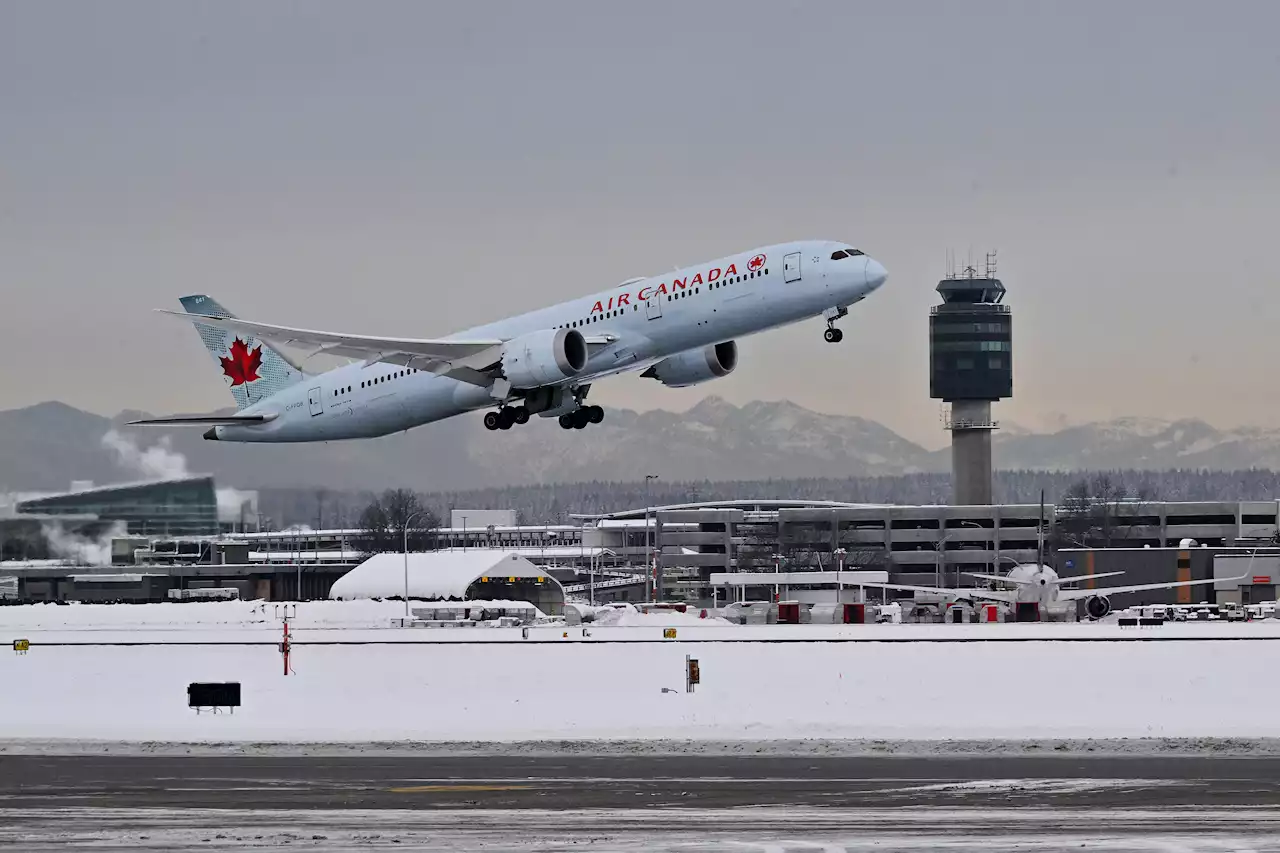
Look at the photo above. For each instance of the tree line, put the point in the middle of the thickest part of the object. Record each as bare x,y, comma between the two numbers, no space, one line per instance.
557,503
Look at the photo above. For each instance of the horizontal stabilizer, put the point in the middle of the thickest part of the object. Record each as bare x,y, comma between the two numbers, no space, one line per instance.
1032,581
206,420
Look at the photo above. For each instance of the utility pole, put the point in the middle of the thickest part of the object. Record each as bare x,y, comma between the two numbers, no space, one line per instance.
1040,535
407,522
840,552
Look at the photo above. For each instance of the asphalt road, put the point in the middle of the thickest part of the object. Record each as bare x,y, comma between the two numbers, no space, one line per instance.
37,782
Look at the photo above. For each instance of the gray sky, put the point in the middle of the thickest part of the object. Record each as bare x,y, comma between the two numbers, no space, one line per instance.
415,168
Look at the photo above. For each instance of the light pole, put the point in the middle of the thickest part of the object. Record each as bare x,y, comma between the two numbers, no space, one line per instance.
647,554
840,552
407,522
296,548
971,524
777,568
464,533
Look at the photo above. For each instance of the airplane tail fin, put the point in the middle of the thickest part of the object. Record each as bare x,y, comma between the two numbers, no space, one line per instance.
253,369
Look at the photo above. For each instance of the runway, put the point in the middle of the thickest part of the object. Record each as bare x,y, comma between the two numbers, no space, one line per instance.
675,802
610,782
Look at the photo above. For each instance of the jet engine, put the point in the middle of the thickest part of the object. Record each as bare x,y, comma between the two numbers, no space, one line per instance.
544,357
1097,606
696,365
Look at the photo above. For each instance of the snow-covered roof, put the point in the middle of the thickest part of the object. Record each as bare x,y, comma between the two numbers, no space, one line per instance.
432,574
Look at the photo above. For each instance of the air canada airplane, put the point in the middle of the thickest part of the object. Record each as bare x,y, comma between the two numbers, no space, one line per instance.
680,329
1041,585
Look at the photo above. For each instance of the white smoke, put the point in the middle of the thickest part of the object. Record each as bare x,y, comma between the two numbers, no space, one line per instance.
158,462
82,550
161,462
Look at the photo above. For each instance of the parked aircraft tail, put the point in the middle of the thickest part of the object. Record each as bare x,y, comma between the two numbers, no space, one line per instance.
253,369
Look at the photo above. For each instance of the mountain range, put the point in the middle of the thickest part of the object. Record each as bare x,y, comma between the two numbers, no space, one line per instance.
48,445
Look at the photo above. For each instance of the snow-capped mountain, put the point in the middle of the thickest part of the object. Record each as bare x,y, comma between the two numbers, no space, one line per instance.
48,445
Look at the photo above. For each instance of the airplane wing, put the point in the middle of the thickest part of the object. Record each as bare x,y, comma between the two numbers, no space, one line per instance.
474,361
468,361
1075,594
1006,595
205,420
1076,578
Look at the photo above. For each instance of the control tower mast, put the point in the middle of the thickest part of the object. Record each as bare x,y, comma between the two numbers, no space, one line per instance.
971,367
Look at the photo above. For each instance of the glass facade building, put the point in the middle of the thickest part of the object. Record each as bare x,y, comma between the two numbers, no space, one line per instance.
186,507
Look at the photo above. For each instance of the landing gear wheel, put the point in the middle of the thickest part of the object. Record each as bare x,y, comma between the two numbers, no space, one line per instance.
833,335
506,417
580,419
595,414
522,415
490,420
566,422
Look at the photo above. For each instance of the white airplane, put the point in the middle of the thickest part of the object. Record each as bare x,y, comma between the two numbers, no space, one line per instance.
1041,585
679,329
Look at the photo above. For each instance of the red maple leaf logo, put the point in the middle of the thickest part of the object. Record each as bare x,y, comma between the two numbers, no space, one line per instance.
755,263
243,363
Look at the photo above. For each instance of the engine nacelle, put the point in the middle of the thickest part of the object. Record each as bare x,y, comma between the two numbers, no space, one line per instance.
1097,606
696,365
544,357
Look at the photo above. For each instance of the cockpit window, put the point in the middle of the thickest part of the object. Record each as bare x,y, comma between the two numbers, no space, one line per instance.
835,256
854,252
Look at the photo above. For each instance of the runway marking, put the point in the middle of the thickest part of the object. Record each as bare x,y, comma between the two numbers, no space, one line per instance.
432,789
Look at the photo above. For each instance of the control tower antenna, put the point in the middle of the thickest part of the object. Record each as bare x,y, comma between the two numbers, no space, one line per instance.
971,367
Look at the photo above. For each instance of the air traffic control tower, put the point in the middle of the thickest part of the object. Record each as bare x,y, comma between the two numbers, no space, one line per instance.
971,367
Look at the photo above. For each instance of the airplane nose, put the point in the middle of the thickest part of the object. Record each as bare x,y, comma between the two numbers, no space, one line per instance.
876,274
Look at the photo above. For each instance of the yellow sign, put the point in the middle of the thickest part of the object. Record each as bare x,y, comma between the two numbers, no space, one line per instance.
21,646
539,578
484,579
668,633
511,580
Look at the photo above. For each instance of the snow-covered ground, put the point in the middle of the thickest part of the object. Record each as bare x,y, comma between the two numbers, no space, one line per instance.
584,689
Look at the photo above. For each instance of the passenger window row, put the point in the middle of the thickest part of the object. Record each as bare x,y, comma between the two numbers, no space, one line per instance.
369,383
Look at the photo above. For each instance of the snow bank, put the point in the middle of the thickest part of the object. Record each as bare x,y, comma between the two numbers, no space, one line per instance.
203,614
627,616
751,691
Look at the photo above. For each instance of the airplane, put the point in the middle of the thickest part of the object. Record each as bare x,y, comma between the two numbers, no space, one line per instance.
1041,585
680,329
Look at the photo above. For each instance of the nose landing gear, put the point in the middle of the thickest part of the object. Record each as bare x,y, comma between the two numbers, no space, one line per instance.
833,335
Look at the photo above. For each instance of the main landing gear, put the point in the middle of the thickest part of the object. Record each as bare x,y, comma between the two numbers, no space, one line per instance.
833,335
506,417
580,418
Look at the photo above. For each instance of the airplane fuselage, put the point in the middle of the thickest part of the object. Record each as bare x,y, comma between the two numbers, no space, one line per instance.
648,319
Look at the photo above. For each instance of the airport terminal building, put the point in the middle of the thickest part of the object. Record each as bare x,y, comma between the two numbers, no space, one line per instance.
674,552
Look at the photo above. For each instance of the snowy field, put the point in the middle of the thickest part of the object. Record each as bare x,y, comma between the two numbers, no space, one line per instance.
555,687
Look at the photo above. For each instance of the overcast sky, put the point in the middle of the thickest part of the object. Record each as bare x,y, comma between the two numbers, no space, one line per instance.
415,168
